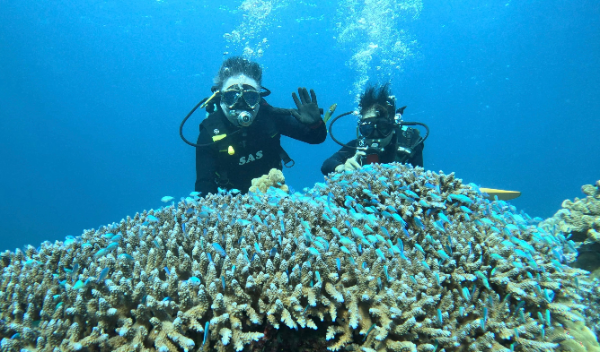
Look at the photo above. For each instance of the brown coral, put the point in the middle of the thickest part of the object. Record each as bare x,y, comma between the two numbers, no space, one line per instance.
389,258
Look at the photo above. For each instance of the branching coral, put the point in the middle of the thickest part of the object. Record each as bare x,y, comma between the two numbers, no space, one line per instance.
388,258
579,221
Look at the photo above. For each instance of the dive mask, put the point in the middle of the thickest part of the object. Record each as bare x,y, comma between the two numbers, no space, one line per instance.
233,94
376,128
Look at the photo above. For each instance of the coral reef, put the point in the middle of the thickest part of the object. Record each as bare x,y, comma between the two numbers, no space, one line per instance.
387,258
579,221
275,179
580,217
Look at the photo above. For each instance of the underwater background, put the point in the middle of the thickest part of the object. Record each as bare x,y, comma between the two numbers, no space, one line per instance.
92,94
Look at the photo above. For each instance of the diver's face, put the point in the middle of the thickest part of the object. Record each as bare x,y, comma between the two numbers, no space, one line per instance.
240,99
375,123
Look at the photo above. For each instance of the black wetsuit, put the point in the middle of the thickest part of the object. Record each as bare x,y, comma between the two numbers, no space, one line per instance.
406,147
256,149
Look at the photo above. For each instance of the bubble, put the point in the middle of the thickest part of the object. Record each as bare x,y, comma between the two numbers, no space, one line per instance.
371,30
257,18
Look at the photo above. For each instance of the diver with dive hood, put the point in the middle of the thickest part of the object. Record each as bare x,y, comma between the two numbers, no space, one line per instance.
382,135
240,137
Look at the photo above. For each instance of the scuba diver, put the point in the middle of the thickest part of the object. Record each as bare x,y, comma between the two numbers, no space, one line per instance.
382,136
240,137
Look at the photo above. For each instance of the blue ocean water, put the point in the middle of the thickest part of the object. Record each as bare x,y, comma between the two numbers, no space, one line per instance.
92,94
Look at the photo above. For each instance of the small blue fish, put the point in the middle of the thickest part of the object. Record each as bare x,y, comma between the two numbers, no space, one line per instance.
461,198
406,232
380,254
103,275
313,251
419,248
152,218
273,252
243,222
101,253
338,264
358,232
443,254
112,246
484,319
219,249
419,223
466,294
484,279
438,225
385,231
411,194
336,232
399,219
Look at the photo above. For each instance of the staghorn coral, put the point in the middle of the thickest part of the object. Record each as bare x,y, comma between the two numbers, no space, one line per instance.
388,258
275,179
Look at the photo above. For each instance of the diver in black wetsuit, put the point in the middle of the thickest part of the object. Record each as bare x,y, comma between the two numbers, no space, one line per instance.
382,135
240,138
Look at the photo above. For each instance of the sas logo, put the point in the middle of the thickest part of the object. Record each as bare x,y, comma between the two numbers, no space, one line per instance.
244,160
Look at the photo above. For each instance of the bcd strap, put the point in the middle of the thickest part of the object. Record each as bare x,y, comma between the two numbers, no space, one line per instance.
283,155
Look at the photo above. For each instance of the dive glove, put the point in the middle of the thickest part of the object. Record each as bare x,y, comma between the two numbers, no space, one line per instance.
351,164
308,111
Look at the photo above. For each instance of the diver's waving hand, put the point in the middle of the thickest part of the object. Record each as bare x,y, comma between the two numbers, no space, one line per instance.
308,111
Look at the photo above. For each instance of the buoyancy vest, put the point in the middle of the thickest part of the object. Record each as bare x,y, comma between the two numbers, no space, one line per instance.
246,153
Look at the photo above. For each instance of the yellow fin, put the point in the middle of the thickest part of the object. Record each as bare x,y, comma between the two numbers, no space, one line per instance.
501,193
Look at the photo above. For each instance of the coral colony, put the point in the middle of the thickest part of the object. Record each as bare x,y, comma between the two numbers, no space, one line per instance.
388,258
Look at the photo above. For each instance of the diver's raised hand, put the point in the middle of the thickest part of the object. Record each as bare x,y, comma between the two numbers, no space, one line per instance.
308,111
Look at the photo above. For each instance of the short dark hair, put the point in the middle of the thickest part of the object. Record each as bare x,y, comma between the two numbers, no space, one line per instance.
381,96
238,65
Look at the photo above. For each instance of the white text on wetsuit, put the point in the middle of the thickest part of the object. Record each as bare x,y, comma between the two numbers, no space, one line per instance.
251,157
